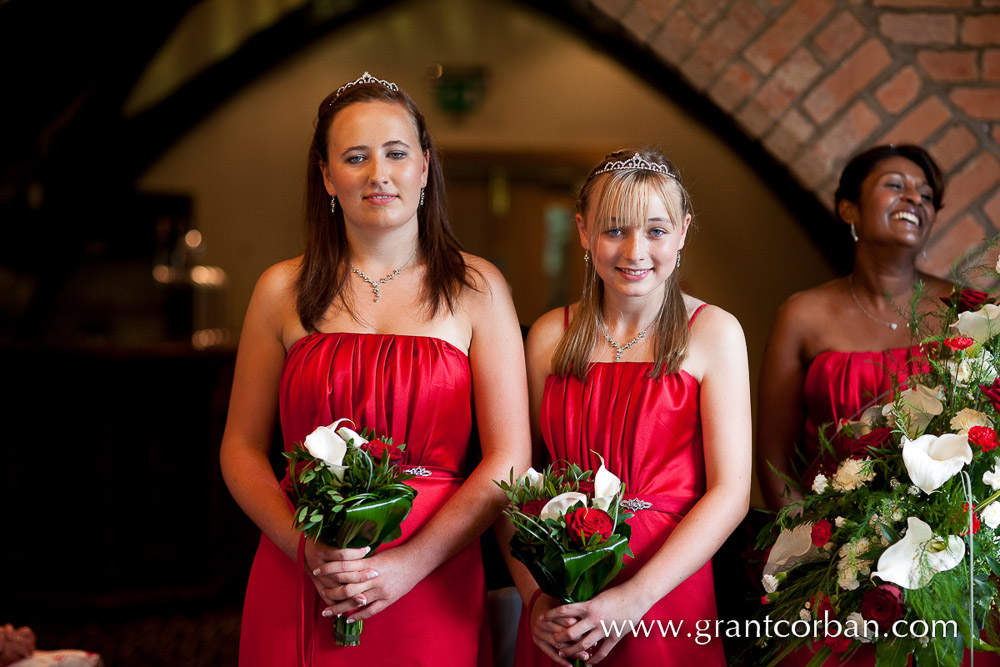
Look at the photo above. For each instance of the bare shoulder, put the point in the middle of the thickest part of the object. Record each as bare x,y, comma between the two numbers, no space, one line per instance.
487,280
547,330
712,325
278,280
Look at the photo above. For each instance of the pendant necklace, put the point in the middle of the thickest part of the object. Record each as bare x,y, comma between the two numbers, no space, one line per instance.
376,284
621,348
857,302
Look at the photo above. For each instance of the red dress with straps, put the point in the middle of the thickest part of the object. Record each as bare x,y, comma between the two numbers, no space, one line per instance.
417,390
649,433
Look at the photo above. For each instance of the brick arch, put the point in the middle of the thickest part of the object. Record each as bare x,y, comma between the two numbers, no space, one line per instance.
813,81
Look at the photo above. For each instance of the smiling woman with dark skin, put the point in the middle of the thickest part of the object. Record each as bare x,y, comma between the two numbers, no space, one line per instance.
837,348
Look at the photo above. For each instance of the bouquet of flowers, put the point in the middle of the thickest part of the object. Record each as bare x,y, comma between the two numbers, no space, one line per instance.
898,544
569,532
349,493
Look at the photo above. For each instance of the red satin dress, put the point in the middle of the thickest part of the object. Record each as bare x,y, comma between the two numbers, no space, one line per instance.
649,433
417,390
841,385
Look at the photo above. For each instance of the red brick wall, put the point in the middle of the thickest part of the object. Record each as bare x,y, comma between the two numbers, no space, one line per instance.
816,80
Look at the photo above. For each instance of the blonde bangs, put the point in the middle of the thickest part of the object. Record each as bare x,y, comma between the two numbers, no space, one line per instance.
624,200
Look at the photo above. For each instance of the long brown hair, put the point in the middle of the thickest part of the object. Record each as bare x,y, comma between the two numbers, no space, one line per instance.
326,260
621,198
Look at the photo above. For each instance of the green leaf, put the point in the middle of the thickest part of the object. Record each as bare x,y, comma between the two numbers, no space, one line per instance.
895,653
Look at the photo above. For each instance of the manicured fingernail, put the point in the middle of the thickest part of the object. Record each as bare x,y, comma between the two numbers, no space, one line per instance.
316,572
350,619
372,574
561,655
360,599
367,550
327,613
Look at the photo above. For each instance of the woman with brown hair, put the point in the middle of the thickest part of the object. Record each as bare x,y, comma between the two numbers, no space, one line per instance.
385,321
654,383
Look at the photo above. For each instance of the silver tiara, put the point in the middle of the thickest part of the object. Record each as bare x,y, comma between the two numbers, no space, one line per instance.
367,78
636,162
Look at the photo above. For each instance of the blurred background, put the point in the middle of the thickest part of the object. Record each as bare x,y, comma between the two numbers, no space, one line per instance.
154,165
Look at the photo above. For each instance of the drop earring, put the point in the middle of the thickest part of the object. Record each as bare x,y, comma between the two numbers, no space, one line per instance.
421,197
678,259
586,257
854,233
333,204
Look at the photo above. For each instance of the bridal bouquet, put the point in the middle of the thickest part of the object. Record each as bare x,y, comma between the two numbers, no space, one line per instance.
897,545
349,493
569,532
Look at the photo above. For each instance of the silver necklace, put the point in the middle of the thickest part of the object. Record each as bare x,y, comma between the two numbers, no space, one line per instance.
850,287
377,283
621,348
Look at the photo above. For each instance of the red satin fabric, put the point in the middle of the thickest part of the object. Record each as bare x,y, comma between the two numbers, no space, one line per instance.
418,391
841,385
649,434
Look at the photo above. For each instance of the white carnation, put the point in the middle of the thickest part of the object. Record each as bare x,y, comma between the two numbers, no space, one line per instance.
853,474
966,419
819,483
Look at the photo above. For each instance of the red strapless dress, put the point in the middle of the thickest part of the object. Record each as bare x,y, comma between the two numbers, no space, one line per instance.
649,434
842,385
419,391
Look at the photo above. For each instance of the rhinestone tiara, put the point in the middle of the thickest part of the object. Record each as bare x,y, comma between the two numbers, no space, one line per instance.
636,162
367,78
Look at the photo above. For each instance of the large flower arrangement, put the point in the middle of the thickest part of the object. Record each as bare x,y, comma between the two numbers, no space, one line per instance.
897,544
349,493
570,532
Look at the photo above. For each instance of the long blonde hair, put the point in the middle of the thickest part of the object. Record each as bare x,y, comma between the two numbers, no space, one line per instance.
620,198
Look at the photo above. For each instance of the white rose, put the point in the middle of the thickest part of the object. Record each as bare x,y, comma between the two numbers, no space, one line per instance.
991,515
931,461
980,325
770,583
819,483
966,419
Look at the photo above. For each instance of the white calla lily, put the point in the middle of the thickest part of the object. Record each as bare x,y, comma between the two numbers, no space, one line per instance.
918,406
352,438
606,487
991,515
980,325
327,446
532,479
931,460
791,548
991,478
558,506
914,560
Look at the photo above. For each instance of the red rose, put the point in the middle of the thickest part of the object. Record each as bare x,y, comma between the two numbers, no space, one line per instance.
377,448
533,507
959,343
763,599
884,605
992,392
838,644
879,438
962,520
586,487
967,299
584,522
821,532
983,437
